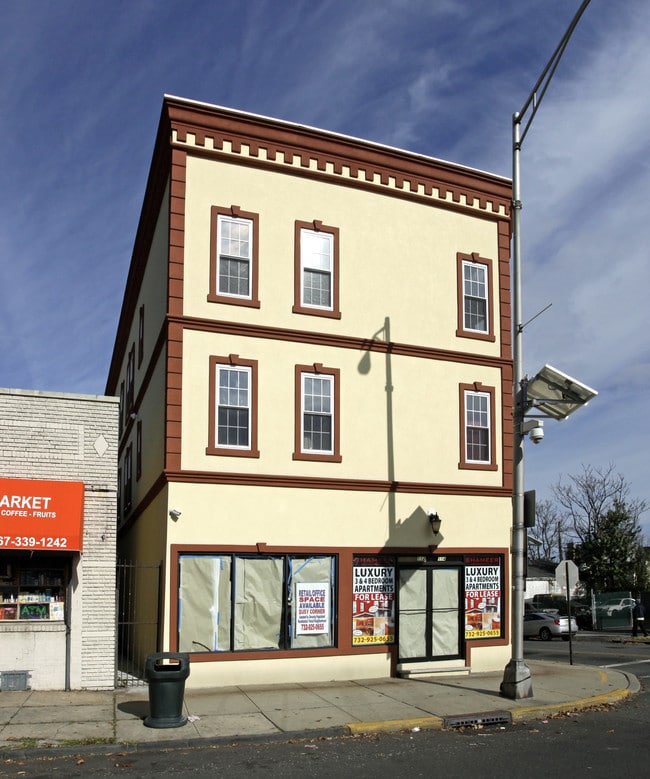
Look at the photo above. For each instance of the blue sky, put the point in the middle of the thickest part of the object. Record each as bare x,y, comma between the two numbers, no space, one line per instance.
80,97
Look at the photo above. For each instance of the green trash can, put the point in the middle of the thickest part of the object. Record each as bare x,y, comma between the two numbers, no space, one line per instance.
166,673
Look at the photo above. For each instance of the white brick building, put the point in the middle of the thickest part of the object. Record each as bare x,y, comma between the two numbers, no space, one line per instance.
53,443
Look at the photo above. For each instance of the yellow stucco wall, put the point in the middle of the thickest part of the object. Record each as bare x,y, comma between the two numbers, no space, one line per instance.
415,432
224,515
398,257
228,514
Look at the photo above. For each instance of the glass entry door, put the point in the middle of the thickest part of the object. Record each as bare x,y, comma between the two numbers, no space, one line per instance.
429,618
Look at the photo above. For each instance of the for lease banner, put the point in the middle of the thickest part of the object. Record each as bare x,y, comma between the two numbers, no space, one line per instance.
36,514
483,596
373,604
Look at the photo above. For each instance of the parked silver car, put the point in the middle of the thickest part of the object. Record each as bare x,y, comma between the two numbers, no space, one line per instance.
538,624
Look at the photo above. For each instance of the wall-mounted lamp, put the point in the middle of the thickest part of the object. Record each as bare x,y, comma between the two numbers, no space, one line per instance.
435,521
174,514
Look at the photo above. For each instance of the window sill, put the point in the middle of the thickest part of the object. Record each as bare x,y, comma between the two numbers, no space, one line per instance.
320,458
225,452
234,301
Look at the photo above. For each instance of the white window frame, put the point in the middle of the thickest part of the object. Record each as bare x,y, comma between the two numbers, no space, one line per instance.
241,369
488,426
329,380
223,256
468,295
307,266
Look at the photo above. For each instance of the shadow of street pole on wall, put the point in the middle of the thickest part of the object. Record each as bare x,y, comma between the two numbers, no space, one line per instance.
380,343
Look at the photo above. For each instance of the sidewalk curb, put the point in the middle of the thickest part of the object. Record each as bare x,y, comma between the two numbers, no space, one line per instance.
394,725
517,715
527,713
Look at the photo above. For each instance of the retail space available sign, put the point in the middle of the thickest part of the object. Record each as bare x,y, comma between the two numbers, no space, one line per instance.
41,515
312,608
483,588
373,600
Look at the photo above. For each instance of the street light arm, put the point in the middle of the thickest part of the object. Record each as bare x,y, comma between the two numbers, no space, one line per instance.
539,90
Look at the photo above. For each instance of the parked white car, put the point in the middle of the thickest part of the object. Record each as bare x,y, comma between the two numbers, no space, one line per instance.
616,606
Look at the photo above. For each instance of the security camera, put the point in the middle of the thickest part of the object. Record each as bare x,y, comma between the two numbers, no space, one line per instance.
536,434
174,514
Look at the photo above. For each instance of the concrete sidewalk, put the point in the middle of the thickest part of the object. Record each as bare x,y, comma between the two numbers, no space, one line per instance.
86,719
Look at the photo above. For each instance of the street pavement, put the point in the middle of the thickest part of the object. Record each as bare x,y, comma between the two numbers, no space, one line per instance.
78,720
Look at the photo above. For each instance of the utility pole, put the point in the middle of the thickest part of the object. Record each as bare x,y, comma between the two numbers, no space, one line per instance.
517,682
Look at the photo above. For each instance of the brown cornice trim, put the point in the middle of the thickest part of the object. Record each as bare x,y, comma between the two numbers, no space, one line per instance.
368,186
272,140
245,330
159,172
176,253
352,485
503,305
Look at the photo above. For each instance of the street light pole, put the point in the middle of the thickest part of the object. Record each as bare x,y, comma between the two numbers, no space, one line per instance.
517,682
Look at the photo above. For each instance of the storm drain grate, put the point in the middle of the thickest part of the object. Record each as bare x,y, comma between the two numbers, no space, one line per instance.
470,720
14,681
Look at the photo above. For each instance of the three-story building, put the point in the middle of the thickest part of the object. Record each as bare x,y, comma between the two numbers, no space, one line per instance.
314,362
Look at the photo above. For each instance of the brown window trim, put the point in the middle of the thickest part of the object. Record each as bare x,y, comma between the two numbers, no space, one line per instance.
214,296
140,335
128,478
122,408
461,331
130,383
213,448
474,466
298,454
138,450
298,307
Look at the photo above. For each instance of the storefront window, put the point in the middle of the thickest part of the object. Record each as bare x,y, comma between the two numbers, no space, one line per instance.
230,603
31,589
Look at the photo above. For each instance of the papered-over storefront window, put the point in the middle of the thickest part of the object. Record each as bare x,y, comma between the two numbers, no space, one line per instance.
231,602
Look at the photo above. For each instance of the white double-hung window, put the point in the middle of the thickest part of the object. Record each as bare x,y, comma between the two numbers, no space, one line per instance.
234,407
316,268
316,286
477,427
235,242
317,413
475,297
234,238
478,448
475,306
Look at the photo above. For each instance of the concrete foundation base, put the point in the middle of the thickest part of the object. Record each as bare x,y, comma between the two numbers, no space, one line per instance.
517,682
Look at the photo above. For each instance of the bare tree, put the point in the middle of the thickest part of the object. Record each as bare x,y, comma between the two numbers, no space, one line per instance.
587,497
551,531
606,521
